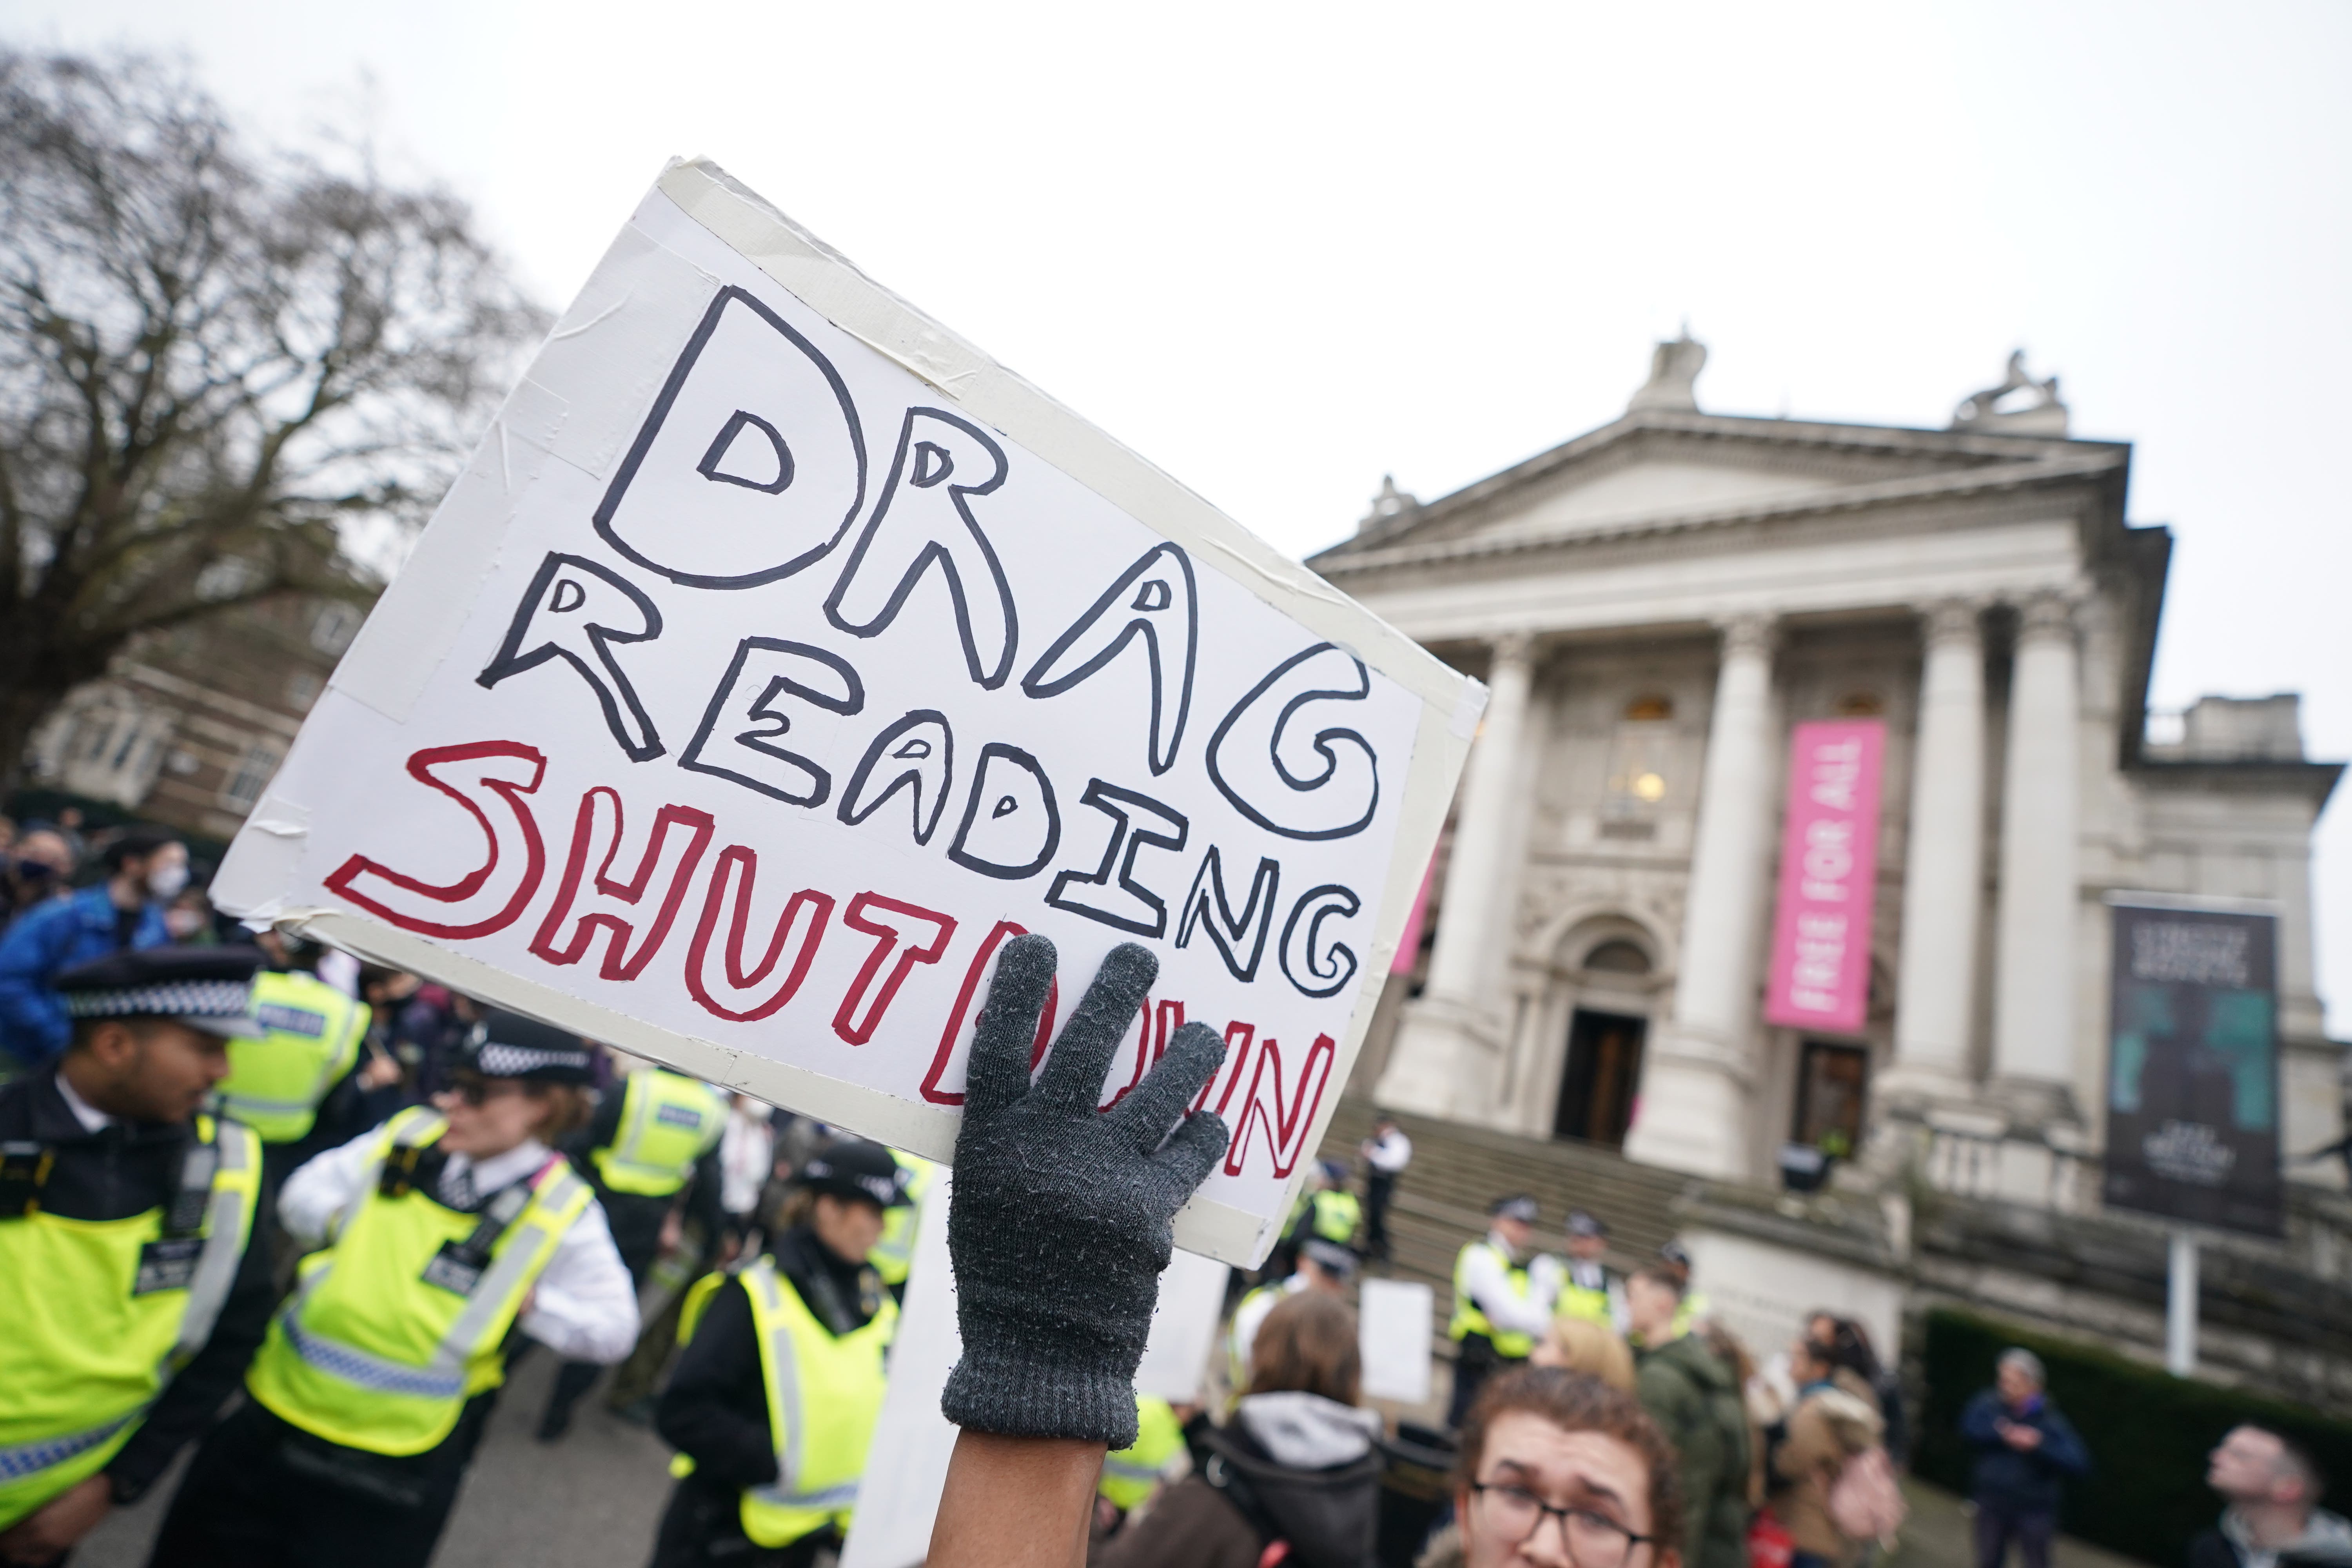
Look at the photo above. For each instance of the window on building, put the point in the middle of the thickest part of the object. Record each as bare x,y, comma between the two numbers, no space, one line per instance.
333,631
1640,765
1618,956
303,689
252,775
1831,1080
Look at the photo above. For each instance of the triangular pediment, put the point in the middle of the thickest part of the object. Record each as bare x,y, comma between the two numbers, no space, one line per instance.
1661,468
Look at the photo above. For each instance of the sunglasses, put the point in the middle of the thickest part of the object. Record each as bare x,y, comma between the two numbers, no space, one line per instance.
475,1091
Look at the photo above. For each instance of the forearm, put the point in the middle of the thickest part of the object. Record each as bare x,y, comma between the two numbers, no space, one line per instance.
1015,1502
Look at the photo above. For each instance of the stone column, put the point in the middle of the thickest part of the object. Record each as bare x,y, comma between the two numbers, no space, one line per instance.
1943,871
1693,1110
2033,977
1448,1050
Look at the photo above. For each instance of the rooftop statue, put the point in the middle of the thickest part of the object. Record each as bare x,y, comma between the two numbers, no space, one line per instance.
1673,375
1387,506
2042,414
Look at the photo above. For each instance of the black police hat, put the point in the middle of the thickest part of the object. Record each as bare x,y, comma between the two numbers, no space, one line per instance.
1334,1258
207,988
508,1045
854,1168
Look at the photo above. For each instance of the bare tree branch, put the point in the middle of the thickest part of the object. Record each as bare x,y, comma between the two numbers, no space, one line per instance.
210,356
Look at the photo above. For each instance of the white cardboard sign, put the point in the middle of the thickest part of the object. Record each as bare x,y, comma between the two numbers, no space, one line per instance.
1393,1328
779,656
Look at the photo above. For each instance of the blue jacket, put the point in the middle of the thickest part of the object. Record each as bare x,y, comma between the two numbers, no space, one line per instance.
46,941
2019,1481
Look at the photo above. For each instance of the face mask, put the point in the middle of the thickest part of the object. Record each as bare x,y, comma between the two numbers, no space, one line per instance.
166,880
183,923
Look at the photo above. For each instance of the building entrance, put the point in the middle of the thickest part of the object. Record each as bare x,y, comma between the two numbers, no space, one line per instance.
1604,1064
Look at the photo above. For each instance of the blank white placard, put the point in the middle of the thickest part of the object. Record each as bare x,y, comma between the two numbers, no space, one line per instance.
1392,1329
1183,1328
907,1467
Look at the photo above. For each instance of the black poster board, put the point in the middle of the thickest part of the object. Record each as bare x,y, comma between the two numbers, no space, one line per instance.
2193,1068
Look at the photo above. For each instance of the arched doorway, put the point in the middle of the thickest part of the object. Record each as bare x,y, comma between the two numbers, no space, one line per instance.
1603,1069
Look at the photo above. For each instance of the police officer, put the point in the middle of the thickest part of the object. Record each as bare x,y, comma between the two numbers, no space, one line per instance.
442,1231
1676,1258
775,1396
1497,1309
1323,1265
277,1084
1330,1213
131,1287
1582,1284
894,1255
647,1145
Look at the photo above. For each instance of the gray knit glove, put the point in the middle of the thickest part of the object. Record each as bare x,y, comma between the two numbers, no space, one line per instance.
1062,1219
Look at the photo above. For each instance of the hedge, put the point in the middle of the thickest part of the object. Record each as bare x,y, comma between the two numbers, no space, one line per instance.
2148,1431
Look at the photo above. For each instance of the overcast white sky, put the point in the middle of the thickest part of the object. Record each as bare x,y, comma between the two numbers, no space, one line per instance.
1284,248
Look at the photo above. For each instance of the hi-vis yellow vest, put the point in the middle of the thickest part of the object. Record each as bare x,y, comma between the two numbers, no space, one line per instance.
275,1084
1129,1476
895,1253
667,1122
824,1394
99,1314
1468,1320
1337,1212
1579,1302
369,1352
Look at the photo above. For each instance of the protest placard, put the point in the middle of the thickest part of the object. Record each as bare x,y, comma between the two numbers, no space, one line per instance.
779,656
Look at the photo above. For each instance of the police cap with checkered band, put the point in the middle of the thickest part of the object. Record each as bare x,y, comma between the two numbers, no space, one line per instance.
508,1045
854,1168
207,988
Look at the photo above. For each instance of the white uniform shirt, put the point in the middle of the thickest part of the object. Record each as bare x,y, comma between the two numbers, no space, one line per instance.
584,1306
91,1118
1390,1152
1506,1309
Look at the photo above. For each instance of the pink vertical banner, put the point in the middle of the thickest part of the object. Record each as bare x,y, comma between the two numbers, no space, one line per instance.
1829,877
1408,950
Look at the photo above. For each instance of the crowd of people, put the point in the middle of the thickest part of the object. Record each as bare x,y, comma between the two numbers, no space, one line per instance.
303,1214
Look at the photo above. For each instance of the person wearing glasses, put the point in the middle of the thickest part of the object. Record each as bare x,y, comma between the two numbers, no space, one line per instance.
440,1235
1559,1470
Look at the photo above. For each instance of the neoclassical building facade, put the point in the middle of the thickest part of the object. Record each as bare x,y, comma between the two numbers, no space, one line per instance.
1654,605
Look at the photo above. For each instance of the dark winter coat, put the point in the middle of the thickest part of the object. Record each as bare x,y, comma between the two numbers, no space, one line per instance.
1693,1396
1291,1466
2019,1481
2327,1543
